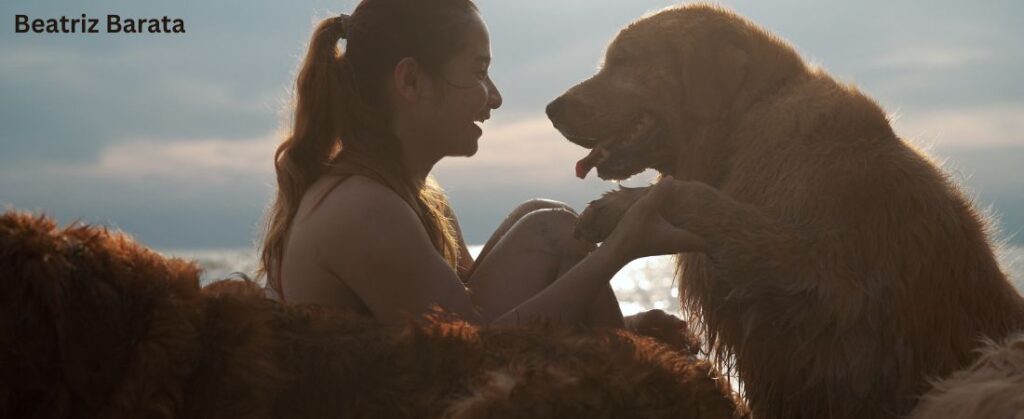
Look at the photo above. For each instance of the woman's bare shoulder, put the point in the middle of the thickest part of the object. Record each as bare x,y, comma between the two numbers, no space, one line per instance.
334,190
361,230
354,206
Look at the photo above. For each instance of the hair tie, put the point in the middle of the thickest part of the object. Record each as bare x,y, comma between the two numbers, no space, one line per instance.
343,25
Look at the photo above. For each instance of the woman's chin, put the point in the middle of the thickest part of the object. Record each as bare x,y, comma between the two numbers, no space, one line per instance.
468,149
471,143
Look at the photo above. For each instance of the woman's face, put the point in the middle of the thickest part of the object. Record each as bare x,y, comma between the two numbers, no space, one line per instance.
462,96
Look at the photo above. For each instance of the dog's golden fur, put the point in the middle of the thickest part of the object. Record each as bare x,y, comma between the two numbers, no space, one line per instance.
845,270
95,325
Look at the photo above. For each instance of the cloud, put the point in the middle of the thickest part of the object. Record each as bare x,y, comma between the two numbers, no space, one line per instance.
515,151
176,162
928,57
523,151
983,126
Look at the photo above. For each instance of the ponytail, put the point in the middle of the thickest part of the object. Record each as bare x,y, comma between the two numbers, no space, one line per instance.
316,128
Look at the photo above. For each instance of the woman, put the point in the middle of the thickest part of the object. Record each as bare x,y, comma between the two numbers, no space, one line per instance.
359,224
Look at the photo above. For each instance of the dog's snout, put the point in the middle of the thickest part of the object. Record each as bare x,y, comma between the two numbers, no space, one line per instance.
554,108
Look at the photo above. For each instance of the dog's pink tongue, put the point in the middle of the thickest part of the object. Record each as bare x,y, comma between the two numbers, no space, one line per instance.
585,164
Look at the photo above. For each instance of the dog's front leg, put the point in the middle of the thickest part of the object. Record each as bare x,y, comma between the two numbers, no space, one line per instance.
746,243
742,237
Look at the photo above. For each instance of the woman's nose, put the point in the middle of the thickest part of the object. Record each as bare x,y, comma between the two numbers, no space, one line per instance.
494,97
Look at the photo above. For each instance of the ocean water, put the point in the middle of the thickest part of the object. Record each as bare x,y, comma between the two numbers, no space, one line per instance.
641,285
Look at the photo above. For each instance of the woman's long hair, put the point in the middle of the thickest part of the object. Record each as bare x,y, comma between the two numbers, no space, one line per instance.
342,119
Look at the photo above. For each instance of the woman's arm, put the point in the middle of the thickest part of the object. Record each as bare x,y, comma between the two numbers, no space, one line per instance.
571,295
379,248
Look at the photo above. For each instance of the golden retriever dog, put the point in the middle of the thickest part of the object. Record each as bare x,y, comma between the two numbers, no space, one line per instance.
845,269
991,388
94,325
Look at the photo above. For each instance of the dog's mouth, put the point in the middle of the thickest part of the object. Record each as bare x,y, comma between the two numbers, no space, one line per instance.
620,157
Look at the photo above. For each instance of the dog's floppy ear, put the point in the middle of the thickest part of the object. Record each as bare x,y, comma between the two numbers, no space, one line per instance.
712,76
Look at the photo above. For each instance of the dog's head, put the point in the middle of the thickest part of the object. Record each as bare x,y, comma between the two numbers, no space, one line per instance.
664,78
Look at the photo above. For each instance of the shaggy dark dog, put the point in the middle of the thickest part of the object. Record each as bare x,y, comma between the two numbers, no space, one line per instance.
94,325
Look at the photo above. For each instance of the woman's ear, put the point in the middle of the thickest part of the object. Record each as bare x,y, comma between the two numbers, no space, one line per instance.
712,76
408,79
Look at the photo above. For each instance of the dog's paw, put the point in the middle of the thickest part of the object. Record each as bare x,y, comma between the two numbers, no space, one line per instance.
601,216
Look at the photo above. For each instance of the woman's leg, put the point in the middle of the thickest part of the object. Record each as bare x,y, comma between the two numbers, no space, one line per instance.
512,218
534,251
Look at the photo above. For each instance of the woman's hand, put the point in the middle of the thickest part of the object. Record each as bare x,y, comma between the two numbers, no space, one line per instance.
643,231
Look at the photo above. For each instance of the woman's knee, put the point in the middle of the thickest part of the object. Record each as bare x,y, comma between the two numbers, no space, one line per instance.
553,227
538,204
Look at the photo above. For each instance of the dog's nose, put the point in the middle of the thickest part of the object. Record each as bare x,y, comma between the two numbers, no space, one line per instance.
555,108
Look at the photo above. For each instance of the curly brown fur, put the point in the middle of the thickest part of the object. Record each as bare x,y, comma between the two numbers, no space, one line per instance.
991,388
97,325
666,328
846,270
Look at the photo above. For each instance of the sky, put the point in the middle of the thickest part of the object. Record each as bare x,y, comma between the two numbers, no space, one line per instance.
170,137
